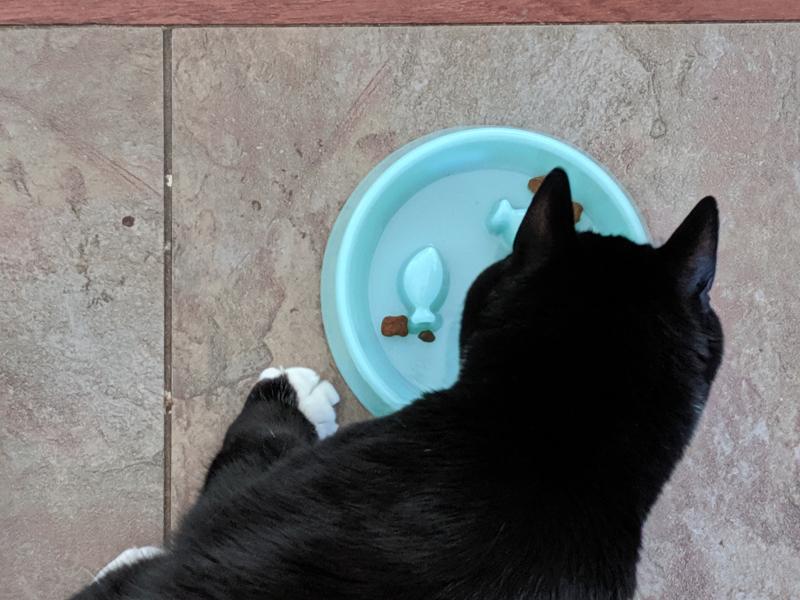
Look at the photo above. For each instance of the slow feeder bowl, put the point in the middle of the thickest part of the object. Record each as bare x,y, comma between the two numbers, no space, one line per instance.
416,232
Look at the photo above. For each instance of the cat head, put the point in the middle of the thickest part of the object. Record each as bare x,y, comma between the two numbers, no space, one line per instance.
593,335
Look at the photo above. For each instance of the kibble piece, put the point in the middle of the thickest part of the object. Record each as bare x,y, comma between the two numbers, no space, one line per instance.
391,326
426,336
577,211
535,183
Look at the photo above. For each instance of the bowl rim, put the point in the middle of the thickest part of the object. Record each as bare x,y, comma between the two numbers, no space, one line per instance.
364,380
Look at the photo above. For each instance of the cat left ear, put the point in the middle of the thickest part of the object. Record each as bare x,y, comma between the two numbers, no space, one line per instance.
692,250
548,226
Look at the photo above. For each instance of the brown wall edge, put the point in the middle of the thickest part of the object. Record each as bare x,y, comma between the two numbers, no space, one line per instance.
383,12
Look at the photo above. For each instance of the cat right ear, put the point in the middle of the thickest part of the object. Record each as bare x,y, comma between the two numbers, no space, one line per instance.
692,250
548,226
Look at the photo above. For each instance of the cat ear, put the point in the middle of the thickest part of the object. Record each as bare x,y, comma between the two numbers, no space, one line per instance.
692,250
548,226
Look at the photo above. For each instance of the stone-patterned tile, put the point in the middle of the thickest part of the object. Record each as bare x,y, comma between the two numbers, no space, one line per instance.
274,128
81,299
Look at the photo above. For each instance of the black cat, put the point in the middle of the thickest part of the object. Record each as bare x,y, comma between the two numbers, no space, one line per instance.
585,364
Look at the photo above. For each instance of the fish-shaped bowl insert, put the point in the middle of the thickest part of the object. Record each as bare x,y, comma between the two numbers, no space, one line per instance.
423,288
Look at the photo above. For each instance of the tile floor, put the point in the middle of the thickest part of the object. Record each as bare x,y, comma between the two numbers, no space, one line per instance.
271,130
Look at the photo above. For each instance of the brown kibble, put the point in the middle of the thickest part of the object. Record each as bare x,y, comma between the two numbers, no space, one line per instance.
426,336
391,326
128,221
577,211
535,183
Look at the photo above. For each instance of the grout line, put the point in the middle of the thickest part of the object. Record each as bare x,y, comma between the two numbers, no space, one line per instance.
167,186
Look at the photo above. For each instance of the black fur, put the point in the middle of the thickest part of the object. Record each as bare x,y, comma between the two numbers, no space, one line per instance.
586,362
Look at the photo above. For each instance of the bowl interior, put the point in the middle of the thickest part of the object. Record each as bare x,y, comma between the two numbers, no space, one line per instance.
440,192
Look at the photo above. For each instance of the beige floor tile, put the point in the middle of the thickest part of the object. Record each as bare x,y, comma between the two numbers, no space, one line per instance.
81,316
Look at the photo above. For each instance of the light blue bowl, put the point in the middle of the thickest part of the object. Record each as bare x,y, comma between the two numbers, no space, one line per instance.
439,190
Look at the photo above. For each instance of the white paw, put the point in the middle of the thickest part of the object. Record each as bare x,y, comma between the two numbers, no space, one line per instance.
131,556
315,397
271,373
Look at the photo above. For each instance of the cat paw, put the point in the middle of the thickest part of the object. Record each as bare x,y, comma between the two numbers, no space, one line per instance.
129,557
315,397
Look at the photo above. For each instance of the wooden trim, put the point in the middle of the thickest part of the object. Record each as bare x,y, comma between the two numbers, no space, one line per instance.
373,12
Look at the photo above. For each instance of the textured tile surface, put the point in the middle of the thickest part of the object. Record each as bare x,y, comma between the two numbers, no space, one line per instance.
274,128
80,303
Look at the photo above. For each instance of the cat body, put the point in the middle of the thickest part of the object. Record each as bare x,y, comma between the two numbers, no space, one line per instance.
585,365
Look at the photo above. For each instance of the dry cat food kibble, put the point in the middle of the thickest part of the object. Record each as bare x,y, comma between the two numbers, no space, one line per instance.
426,336
536,182
398,326
391,326
577,211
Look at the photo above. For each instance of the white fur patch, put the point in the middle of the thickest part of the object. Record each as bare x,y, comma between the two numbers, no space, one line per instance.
271,373
131,556
315,397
